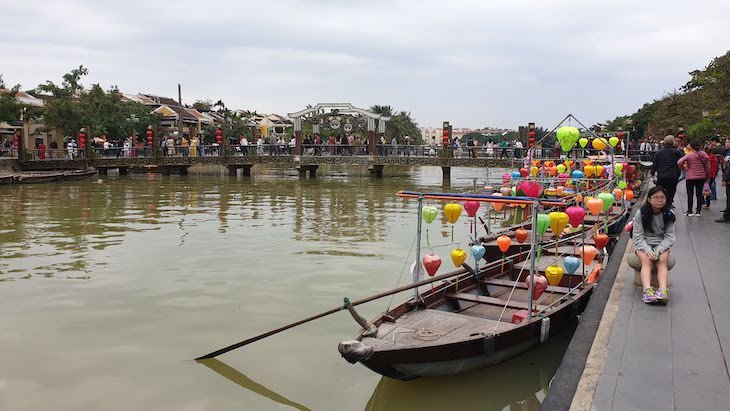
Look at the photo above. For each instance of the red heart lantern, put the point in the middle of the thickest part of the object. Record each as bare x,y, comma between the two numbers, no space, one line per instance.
629,227
471,207
521,235
601,240
524,172
431,263
541,284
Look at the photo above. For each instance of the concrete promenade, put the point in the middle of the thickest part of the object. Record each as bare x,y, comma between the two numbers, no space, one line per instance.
673,357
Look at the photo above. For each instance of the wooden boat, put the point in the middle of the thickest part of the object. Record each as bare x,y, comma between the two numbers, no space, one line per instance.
36,177
73,175
479,318
6,179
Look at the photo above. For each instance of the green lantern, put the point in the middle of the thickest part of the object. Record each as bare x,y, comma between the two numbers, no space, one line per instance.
567,137
429,213
583,142
543,222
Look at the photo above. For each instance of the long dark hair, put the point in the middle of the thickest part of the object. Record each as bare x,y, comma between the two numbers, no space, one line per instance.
647,212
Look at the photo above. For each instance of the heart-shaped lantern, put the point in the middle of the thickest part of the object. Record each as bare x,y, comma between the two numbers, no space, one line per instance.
601,240
429,214
432,263
583,142
534,170
562,177
541,284
521,235
561,168
497,205
554,273
599,170
567,137
506,177
589,171
458,256
529,189
516,175
613,141
505,191
575,215
504,242
571,263
471,207
599,143
629,195
558,221
618,193
452,211
543,222
608,200
524,172
478,251
577,174
488,190
622,184
588,253
595,205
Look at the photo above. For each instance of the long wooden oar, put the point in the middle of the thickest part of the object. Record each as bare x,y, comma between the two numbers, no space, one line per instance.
332,311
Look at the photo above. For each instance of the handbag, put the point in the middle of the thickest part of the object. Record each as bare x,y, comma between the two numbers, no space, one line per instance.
706,189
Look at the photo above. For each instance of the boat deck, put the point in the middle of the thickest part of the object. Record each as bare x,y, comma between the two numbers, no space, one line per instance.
432,327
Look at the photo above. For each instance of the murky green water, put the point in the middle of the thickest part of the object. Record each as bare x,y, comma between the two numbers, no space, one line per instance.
108,290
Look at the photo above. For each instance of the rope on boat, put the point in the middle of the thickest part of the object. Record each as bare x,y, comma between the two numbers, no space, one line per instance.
405,263
499,320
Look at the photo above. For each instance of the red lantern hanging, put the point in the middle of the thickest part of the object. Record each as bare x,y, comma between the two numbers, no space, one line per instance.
531,140
82,140
15,141
219,136
149,137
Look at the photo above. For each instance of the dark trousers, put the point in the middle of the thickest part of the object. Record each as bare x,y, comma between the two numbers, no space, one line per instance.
696,186
726,213
670,185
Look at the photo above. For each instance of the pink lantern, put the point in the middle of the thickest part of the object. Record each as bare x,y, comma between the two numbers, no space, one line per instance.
562,178
471,207
575,215
530,188
541,284
506,178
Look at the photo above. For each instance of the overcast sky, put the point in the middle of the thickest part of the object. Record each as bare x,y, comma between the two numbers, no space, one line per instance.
474,63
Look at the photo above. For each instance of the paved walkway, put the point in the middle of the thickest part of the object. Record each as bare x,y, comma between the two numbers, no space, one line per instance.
674,356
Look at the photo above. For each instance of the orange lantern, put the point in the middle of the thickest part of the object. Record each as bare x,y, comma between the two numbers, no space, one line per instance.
595,205
521,235
504,242
588,253
601,240
629,195
618,193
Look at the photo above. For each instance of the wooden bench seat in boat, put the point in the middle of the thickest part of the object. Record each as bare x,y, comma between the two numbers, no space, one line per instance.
494,301
522,285
548,259
432,327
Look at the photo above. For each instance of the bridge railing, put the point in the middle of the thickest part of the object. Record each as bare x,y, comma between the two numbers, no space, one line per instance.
8,152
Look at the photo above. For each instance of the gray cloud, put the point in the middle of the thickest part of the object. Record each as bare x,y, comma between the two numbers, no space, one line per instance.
471,62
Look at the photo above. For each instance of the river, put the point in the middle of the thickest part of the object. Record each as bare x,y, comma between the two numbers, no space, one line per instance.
110,287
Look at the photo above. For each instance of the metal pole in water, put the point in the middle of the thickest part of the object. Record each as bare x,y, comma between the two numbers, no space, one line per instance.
533,240
417,266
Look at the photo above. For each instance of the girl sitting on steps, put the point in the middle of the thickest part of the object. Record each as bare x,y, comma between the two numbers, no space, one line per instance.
653,232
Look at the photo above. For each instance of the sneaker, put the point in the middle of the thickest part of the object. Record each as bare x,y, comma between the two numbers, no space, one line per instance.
662,295
697,214
649,296
722,220
689,214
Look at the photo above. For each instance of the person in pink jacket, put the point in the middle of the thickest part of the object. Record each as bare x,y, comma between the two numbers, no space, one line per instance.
696,166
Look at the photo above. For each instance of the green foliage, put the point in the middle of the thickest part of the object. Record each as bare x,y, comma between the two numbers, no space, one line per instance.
10,108
400,124
701,129
236,124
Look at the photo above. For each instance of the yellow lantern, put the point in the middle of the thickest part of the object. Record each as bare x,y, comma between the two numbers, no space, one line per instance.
458,256
599,143
452,211
554,273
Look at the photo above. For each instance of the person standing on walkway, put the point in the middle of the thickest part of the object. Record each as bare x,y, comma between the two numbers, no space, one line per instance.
666,169
697,170
653,233
726,183
714,165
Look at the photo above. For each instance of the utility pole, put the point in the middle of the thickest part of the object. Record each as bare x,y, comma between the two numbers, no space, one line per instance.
180,121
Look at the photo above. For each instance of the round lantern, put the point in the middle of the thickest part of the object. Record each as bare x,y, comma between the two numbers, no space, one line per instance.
219,136
149,137
82,139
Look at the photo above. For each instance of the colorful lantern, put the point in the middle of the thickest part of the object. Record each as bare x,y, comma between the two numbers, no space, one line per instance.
613,141
429,214
543,222
554,273
524,172
504,242
577,174
478,251
622,184
571,264
521,235
562,177
149,137
575,215
471,207
618,193
458,256
583,142
601,240
598,171
629,195
567,137
608,200
516,175
588,253
595,205
431,263
505,191
534,170
497,206
541,284
599,143
589,171
558,221
561,168
506,177
452,211
529,189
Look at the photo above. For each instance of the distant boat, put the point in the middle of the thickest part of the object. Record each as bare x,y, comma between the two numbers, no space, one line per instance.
36,177
7,179
74,175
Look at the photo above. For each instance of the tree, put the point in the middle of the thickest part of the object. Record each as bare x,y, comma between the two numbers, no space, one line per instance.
203,105
10,108
400,124
62,109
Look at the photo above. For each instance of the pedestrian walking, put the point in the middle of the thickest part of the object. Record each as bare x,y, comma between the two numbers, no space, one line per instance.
665,168
697,171
653,236
726,183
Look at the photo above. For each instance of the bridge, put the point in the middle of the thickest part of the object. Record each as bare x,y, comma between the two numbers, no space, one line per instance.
236,158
